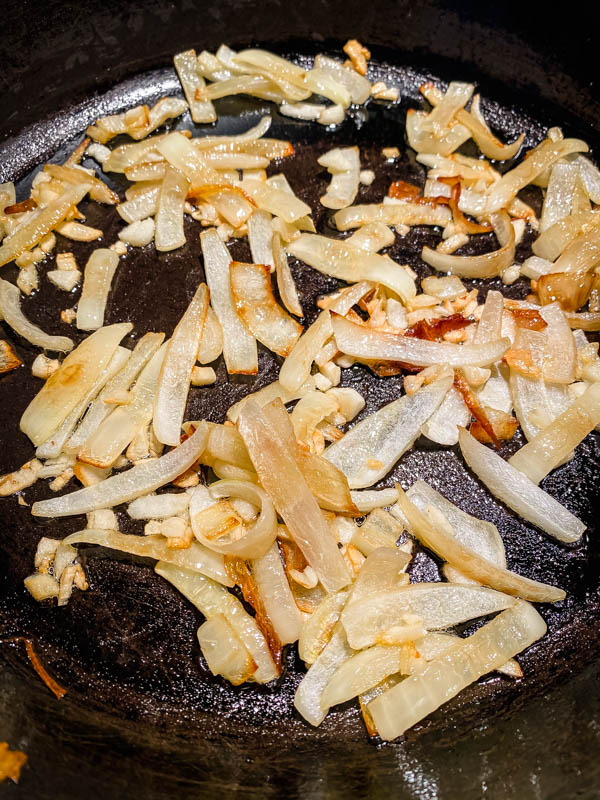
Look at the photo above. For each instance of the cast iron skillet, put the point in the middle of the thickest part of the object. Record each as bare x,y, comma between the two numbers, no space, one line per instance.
141,712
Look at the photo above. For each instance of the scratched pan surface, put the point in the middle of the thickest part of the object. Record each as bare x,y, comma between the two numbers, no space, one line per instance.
141,709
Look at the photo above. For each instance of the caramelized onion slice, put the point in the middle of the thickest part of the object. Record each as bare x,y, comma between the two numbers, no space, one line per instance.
404,213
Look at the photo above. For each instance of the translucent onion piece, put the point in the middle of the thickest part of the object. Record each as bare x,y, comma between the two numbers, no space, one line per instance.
483,266
474,533
186,65
141,206
11,313
139,480
260,238
224,651
97,279
384,570
405,213
254,85
590,177
438,605
343,163
560,353
361,672
270,392
550,447
210,598
71,382
551,243
559,195
444,677
293,500
276,201
538,159
489,326
372,238
363,342
358,86
318,628
326,482
310,691
582,253
442,426
278,600
247,137
308,412
226,444
335,258
296,368
490,146
239,347
585,321
370,449
195,558
519,493
115,431
98,190
285,281
126,155
184,157
423,140
169,233
369,499
447,545
211,343
41,223
174,380
159,506
259,536
448,104
259,311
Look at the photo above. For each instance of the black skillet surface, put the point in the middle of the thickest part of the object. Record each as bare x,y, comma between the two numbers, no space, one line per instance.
141,711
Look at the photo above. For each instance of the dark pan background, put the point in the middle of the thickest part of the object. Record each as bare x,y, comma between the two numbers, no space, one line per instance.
62,67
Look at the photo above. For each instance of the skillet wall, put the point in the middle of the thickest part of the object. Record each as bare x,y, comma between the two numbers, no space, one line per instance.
55,55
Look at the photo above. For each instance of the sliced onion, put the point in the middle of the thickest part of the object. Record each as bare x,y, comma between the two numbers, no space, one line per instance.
361,672
445,105
384,570
169,233
474,533
188,160
210,598
327,483
519,493
296,368
259,536
120,427
254,85
483,266
142,206
559,195
276,201
224,652
41,223
551,243
305,111
195,558
248,137
343,163
380,530
560,353
284,483
490,146
239,347
11,313
363,342
452,414
404,213
590,177
159,506
496,392
318,628
164,109
538,159
489,327
444,677
438,605
97,279
307,700
335,258
358,86
211,343
370,449
126,155
257,308
276,595
186,65
370,499
270,392
372,237
226,444
570,289
423,140
260,238
285,281
585,321
139,480
551,446
98,190
582,253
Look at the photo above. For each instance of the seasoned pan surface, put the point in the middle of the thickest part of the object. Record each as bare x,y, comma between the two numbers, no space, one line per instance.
126,649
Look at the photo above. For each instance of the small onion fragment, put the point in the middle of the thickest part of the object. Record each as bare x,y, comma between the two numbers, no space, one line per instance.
361,672
285,281
404,213
186,65
318,628
97,279
296,368
224,651
343,163
276,595
11,313
169,233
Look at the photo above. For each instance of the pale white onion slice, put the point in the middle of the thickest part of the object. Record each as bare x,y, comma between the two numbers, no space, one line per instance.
400,213
318,628
307,700
363,342
308,412
285,281
211,343
438,605
120,427
174,379
164,109
142,206
584,321
295,370
239,347
350,296
278,600
305,111
11,313
270,392
335,258
276,201
97,279
284,483
483,266
474,533
590,176
560,193
343,164
444,677
259,311
259,536
553,445
71,382
490,146
519,493
538,159
357,85
159,506
369,499
169,234
362,672
384,570
442,540
247,137
254,85
211,598
127,485
98,190
372,237
224,652
186,65
226,444
452,414
553,241
260,238
126,155
41,223
560,352
445,105
489,327
496,392
582,253
184,157
195,558
423,140
370,449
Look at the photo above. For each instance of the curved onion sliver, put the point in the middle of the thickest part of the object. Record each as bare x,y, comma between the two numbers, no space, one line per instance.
10,311
405,213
